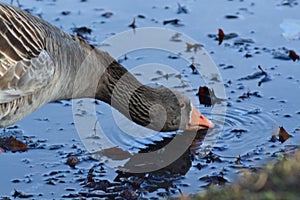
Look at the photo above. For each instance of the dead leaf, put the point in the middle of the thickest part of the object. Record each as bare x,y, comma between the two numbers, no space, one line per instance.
293,55
72,161
12,144
221,36
132,25
283,135
207,96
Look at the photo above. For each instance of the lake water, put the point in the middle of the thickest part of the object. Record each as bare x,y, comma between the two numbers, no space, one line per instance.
265,28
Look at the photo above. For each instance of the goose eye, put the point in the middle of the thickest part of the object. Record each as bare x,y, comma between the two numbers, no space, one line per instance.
182,105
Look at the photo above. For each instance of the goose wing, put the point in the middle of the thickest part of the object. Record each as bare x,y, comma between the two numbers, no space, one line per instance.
25,65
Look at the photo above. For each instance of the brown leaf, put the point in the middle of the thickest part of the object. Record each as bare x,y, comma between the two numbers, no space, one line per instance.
221,36
72,161
207,96
283,135
293,55
12,144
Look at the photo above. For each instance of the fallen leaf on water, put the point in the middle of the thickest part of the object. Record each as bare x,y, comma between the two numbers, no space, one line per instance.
72,161
132,25
207,96
221,36
12,144
293,55
282,134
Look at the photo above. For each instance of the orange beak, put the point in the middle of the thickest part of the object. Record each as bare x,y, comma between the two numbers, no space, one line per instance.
198,121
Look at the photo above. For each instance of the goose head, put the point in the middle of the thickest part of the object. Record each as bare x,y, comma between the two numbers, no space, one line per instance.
169,110
158,108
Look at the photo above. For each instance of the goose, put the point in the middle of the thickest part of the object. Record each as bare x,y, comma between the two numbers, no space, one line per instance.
39,63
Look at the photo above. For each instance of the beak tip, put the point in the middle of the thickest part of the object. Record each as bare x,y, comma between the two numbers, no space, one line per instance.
198,120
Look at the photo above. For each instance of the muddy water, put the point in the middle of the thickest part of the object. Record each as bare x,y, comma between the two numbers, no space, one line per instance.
250,120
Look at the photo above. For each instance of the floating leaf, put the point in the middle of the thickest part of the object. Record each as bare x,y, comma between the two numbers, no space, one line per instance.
207,96
132,25
72,161
221,36
293,55
283,135
12,144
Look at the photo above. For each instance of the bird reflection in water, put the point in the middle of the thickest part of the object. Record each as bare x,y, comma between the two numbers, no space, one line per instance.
165,178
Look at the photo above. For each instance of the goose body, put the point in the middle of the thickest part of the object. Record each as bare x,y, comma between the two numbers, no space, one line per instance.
40,63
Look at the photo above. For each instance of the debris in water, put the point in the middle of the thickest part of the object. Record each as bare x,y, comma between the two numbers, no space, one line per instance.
181,9
132,25
207,96
231,16
195,46
257,75
12,144
221,36
82,30
66,12
171,21
293,55
107,14
21,195
282,134
72,161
